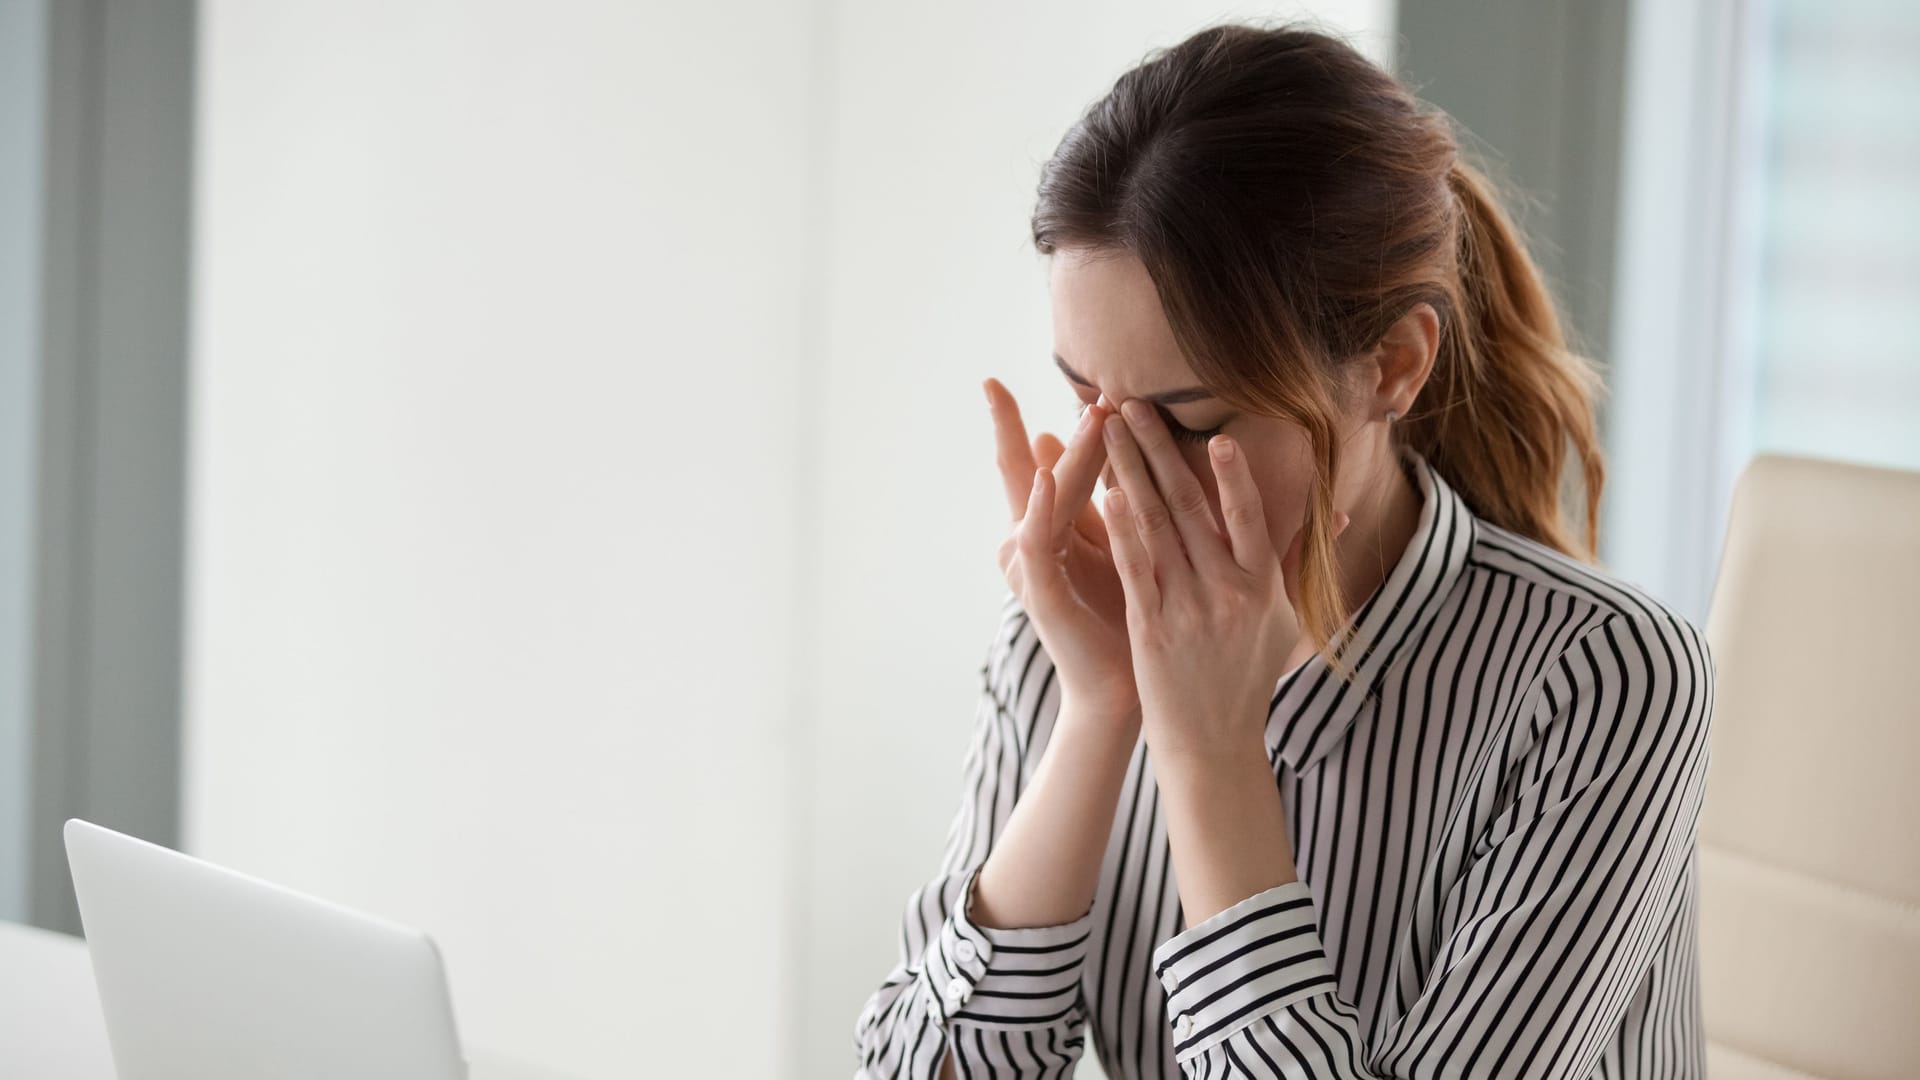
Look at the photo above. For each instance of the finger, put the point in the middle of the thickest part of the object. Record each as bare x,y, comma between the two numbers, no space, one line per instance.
1130,558
1179,489
1012,452
1080,465
1047,449
1240,506
1036,535
1090,524
1086,520
1151,520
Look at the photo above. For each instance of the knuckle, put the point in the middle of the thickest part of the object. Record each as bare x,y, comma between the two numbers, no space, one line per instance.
1151,518
1244,514
1234,606
1187,498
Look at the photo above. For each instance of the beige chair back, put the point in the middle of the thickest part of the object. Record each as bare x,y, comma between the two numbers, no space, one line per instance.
1810,832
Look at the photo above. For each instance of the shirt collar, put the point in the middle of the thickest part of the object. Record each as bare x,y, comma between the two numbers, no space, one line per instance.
1312,705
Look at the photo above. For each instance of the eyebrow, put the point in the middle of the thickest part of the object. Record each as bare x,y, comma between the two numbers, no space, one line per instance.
1169,397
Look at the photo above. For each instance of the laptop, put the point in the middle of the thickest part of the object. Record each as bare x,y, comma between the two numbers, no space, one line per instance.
205,972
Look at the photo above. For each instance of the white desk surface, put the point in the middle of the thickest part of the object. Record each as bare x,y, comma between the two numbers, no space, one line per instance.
50,1022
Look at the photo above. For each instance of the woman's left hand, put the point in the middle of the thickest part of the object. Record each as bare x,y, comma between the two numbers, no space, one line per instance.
1210,617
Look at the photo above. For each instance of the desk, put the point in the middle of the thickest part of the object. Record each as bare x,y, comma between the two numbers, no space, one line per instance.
50,1022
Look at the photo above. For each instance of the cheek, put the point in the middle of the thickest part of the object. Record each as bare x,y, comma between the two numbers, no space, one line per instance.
1283,496
1282,523
1281,463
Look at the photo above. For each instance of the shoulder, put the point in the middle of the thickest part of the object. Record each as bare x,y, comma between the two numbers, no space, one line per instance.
1595,596
1624,648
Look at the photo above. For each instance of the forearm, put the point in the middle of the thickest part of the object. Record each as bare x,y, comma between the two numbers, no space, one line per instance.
1226,827
1045,867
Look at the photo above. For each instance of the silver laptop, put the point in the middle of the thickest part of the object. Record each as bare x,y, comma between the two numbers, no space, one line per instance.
208,973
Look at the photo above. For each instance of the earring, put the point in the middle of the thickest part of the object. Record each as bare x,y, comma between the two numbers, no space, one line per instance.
1392,416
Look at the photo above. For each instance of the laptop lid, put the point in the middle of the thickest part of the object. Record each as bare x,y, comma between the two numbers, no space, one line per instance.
207,972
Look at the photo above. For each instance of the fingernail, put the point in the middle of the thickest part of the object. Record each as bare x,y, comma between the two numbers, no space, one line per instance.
1134,409
1116,500
987,388
1114,430
1222,448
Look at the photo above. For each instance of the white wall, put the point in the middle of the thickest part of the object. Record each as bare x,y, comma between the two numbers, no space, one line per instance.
496,335
593,508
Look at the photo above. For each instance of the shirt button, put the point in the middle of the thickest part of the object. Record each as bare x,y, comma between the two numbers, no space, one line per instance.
957,990
965,951
1183,1026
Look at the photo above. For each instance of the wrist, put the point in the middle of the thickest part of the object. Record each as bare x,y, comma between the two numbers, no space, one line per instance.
1176,760
1093,714
1097,737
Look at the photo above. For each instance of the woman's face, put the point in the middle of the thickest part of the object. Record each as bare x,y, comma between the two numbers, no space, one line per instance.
1111,336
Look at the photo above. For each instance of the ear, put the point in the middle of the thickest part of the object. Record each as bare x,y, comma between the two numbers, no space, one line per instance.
1403,360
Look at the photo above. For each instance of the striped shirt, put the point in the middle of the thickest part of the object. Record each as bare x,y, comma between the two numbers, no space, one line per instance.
1494,829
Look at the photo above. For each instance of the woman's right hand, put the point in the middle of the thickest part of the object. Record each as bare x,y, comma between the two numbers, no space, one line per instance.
1058,562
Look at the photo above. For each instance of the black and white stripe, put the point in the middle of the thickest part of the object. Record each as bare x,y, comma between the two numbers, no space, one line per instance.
1494,829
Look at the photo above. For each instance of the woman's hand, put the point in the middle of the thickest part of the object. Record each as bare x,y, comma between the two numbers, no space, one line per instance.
1210,617
1057,560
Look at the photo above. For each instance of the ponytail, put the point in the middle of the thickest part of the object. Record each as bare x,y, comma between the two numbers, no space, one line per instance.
1507,398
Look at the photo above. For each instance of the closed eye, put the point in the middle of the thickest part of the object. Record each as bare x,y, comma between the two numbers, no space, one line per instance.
1176,428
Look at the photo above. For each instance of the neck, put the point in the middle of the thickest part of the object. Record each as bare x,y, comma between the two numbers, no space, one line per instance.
1384,521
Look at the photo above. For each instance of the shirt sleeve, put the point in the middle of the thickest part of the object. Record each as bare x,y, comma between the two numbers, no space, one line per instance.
1004,1002
1545,933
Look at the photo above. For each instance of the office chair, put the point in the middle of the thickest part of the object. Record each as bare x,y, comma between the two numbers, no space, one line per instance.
1810,831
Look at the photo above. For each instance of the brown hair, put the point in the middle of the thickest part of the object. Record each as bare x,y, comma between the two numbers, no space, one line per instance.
1292,201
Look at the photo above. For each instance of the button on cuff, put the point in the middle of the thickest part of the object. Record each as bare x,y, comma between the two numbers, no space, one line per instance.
1011,977
1265,946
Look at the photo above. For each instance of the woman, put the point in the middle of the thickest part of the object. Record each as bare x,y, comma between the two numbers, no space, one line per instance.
1242,800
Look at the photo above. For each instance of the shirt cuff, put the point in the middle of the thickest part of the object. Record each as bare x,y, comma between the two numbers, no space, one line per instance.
1026,976
1245,962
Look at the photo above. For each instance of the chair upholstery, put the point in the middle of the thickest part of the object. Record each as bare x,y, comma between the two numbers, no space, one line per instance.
1810,832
